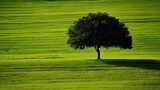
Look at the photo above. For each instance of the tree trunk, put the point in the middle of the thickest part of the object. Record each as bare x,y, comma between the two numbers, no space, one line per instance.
98,53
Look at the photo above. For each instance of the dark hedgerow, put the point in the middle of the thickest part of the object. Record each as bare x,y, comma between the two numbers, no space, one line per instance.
99,30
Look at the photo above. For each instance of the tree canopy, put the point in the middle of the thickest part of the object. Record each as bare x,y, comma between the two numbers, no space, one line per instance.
99,30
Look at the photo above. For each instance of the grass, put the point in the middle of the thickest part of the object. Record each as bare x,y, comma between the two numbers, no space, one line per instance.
34,54
80,74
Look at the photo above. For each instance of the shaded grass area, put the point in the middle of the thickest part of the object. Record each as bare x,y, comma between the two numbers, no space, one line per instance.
139,63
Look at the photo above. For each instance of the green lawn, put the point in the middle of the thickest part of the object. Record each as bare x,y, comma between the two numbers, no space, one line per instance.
34,54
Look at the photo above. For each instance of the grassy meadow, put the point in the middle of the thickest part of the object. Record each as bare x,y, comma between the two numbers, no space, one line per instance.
34,54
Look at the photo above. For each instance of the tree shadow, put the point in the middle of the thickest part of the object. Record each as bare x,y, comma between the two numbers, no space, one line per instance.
138,63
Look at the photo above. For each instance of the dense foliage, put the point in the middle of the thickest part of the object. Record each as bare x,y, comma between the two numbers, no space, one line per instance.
99,30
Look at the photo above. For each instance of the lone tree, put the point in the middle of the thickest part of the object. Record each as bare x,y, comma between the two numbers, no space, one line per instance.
99,30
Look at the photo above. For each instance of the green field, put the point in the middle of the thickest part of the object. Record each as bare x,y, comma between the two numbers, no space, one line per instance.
34,54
